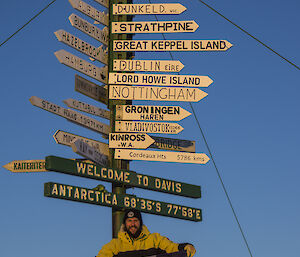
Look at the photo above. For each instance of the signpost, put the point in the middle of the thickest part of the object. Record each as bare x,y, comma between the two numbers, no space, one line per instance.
160,156
147,65
84,107
158,79
171,45
154,27
133,9
148,127
97,53
82,66
130,140
151,112
26,166
176,94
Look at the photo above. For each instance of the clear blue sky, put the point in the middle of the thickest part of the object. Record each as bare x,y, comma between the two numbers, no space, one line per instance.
250,119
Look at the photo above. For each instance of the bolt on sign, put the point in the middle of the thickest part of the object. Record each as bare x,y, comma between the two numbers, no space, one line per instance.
133,9
104,3
90,89
130,27
90,11
82,66
86,195
121,176
176,94
160,156
147,65
151,112
26,166
130,140
98,54
170,45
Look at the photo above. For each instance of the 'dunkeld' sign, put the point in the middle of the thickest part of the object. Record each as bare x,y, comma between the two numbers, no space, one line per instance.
121,176
171,45
86,195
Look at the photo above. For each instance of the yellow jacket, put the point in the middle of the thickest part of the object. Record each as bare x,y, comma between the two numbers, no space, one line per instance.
146,244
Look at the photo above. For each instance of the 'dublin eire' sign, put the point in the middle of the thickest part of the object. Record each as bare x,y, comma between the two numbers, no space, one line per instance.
154,27
171,45
161,156
159,79
179,94
130,140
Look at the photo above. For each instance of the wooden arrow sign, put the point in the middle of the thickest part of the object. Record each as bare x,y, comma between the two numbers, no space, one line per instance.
151,112
179,94
98,54
161,156
148,127
154,27
104,3
90,11
89,152
171,45
90,29
130,140
147,65
158,79
82,66
84,107
132,9
26,166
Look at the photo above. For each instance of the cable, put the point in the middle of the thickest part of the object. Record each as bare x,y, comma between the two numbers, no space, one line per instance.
26,23
250,35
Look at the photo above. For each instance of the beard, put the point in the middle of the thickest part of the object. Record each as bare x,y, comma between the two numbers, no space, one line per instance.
136,234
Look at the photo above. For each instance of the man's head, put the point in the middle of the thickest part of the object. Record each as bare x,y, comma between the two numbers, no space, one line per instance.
133,222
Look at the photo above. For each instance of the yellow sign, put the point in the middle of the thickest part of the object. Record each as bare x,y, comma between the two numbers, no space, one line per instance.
26,166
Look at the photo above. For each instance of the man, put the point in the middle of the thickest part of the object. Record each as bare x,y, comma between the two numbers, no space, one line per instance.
135,240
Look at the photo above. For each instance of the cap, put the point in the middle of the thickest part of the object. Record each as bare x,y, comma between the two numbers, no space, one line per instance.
133,213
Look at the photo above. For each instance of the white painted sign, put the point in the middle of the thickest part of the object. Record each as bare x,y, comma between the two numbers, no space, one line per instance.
129,27
171,45
104,3
132,9
82,66
159,79
130,140
147,65
148,127
85,150
90,89
90,29
84,107
26,166
71,115
98,54
179,94
161,156
90,11
150,112
66,138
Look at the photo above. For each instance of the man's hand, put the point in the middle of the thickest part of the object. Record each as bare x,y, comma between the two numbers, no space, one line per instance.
190,250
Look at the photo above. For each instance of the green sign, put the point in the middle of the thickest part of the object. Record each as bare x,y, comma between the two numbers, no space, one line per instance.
131,178
86,195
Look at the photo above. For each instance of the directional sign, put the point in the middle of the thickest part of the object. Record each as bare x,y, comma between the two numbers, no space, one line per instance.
148,127
125,177
90,29
171,45
90,89
132,9
97,53
91,196
90,11
81,65
150,112
154,27
130,140
104,3
71,115
26,166
89,152
81,106
179,94
147,65
158,79
66,138
160,156
173,144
